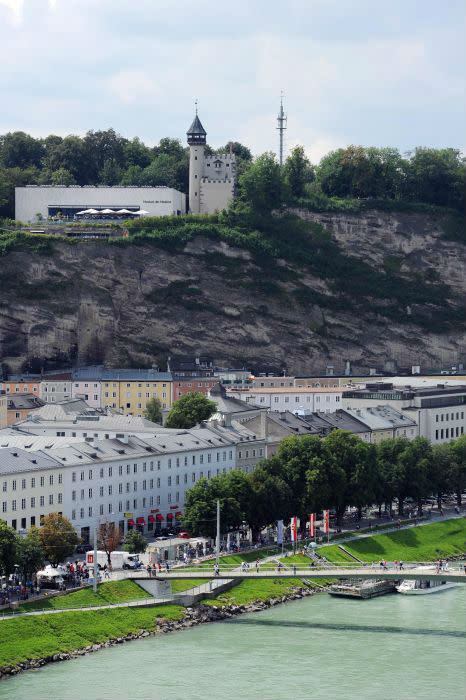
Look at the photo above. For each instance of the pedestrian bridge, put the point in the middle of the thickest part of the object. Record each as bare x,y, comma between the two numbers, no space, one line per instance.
366,572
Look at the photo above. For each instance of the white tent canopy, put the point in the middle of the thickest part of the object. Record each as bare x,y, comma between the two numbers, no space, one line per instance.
87,211
125,211
141,212
107,211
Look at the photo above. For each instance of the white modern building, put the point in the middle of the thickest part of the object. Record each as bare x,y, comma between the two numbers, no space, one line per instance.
439,411
299,400
35,202
211,178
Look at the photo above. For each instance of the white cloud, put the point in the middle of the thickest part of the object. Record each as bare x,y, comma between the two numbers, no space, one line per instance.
15,7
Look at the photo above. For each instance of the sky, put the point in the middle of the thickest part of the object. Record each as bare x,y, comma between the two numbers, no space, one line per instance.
370,72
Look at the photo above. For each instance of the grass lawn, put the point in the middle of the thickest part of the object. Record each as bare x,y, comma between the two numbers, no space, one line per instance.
179,586
422,543
255,590
39,636
334,554
234,560
107,593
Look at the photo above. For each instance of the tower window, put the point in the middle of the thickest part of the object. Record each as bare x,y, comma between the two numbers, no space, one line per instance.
195,157
195,177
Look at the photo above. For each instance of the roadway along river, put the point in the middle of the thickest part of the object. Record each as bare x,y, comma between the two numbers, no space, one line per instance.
392,648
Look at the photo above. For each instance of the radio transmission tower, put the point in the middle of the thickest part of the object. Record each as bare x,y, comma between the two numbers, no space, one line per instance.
282,125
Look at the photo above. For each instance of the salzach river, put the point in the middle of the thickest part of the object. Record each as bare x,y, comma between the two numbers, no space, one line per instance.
391,648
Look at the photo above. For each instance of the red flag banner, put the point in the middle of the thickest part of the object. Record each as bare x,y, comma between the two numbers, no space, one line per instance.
294,529
326,521
312,520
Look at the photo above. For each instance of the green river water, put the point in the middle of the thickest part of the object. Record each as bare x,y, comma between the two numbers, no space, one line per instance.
391,648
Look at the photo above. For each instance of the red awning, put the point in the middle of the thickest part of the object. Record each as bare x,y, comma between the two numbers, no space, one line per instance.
179,514
151,519
141,521
159,517
131,522
170,516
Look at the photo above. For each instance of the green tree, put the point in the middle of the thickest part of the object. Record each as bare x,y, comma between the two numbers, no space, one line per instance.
62,176
298,172
436,176
200,512
111,173
58,538
153,410
457,471
271,498
440,469
20,150
8,549
189,410
69,154
261,184
30,553
135,542
137,153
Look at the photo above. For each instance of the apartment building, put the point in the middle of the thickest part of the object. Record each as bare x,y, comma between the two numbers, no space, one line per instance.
127,390
299,400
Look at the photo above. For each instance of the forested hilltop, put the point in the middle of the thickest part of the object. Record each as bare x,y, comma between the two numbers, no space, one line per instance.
341,180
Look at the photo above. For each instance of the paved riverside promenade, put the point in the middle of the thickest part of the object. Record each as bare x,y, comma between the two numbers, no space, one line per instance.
366,572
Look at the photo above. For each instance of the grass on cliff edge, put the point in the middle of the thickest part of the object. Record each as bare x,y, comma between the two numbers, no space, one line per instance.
422,543
40,636
107,594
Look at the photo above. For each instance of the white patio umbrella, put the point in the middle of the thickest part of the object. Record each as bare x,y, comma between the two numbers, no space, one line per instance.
87,211
125,211
141,212
107,211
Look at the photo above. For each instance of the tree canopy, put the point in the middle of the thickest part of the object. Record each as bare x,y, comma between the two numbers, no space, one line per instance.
58,538
189,410
308,474
153,410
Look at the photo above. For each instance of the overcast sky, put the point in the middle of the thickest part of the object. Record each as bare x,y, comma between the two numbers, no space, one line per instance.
372,72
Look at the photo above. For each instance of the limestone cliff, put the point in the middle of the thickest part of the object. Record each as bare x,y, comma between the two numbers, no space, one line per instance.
133,305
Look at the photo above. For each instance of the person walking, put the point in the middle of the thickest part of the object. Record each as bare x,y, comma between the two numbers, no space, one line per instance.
216,569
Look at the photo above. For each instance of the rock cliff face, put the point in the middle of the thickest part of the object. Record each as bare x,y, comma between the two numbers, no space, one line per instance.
134,305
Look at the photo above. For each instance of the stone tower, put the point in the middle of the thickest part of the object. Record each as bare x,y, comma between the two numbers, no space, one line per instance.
197,141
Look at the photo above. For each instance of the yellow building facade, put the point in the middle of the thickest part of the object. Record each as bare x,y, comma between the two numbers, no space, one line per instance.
131,396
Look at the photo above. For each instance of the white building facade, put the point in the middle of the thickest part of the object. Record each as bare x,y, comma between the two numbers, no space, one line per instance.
34,202
298,400
439,411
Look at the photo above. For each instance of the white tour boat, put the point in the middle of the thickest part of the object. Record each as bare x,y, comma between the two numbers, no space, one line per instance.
416,587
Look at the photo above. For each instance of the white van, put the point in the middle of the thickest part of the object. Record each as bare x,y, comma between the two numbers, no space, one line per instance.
120,560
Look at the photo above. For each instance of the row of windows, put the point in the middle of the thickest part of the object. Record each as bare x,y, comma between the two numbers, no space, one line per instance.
145,484
33,482
114,384
16,505
449,432
449,416
298,399
253,453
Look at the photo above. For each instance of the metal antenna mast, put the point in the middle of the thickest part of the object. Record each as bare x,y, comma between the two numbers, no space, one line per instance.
282,125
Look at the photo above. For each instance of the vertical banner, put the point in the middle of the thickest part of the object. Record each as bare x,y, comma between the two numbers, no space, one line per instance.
279,531
312,529
294,529
327,523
